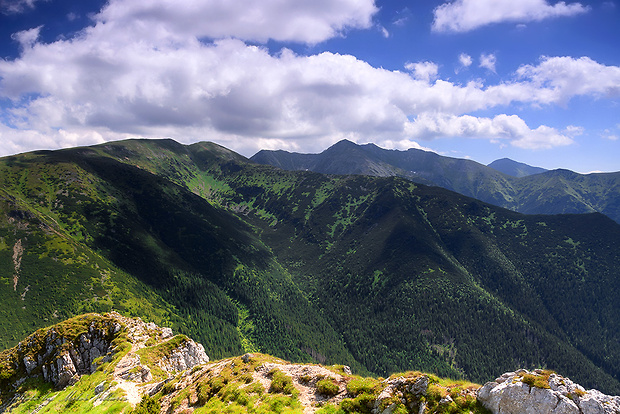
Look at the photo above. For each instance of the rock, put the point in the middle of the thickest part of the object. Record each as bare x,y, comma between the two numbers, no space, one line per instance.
186,356
99,388
166,333
446,400
347,370
67,373
30,364
510,395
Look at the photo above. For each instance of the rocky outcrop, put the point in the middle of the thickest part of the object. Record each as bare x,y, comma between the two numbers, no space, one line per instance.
541,392
186,356
61,358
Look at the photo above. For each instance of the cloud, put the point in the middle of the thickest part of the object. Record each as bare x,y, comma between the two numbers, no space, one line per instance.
465,60
426,71
558,79
502,127
107,83
466,15
27,38
252,20
17,6
488,61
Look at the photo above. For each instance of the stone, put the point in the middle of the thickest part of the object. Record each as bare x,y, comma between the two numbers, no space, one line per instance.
186,356
30,364
509,395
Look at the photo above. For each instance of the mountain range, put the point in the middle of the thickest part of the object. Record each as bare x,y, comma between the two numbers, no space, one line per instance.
379,273
503,183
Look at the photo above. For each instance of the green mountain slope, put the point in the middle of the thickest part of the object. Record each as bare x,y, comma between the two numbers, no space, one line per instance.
223,283
379,273
516,187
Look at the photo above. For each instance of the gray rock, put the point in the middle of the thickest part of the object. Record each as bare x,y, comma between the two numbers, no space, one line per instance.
509,395
186,356
30,364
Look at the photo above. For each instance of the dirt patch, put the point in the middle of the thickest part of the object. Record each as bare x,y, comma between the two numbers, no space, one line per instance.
18,251
304,379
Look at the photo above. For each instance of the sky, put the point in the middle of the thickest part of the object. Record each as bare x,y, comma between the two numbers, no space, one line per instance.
537,81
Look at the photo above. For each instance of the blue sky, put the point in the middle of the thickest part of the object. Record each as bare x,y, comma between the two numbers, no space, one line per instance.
537,81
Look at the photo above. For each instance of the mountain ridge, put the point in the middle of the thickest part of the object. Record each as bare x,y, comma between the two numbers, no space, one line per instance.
533,193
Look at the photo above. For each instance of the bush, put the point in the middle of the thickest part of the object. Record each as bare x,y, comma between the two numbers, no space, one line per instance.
280,382
147,406
327,387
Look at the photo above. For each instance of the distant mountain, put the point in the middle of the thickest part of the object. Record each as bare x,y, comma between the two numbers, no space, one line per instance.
514,168
378,273
550,192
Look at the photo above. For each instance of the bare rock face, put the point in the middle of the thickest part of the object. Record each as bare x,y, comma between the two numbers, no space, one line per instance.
538,392
186,356
61,358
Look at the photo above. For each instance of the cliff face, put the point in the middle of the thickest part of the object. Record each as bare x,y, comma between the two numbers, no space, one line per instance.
116,364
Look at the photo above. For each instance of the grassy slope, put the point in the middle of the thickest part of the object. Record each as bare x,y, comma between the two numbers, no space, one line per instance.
225,287
404,276
418,277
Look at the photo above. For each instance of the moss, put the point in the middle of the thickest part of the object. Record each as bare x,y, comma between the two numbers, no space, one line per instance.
538,379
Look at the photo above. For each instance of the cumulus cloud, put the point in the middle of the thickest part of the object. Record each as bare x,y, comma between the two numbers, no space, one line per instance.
488,61
253,20
501,127
466,15
27,38
107,83
426,71
558,79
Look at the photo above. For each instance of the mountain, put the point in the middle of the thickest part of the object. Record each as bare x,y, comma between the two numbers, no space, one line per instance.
378,273
514,168
114,364
550,192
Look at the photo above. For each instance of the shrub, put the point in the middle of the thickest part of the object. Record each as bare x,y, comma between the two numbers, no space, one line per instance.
327,387
147,406
280,382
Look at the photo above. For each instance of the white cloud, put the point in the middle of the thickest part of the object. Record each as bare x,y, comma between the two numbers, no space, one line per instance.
426,71
558,79
466,15
27,38
465,60
254,20
107,83
488,61
16,6
501,127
